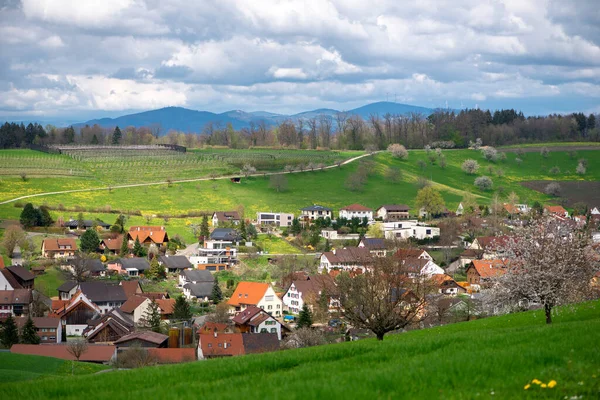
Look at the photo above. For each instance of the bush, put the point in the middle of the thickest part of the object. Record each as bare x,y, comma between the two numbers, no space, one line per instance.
518,161
484,183
553,189
581,170
398,151
490,154
470,166
544,152
554,170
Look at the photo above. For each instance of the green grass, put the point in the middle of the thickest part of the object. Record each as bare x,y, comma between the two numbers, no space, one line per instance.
20,367
489,358
48,282
276,245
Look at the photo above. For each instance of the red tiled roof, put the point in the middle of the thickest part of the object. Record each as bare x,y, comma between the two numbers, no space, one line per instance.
54,244
356,207
157,234
113,244
130,287
408,253
173,356
248,293
227,215
222,345
209,328
556,209
489,268
166,305
491,242
132,303
1,262
94,353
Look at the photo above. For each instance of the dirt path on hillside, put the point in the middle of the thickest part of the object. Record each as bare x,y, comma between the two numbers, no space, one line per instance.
348,161
550,148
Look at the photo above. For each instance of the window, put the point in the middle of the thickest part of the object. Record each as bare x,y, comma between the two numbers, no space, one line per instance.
278,305
220,344
273,330
263,330
428,231
210,345
269,307
269,298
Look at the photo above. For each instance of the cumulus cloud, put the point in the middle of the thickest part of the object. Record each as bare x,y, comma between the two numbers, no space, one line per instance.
60,56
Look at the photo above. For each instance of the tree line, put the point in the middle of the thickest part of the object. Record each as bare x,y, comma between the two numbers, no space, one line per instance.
443,129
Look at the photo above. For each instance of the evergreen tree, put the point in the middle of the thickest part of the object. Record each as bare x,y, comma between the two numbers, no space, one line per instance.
182,309
29,216
90,241
138,249
327,246
324,302
151,317
217,294
243,229
305,318
204,227
296,227
124,246
117,135
156,270
45,218
94,139
29,335
10,333
251,231
120,223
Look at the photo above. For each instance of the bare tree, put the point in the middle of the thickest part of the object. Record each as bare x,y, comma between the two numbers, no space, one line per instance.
384,298
78,269
77,348
135,357
325,127
220,315
550,263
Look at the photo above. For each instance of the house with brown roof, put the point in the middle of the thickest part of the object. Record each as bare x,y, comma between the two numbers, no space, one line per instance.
135,307
219,345
8,280
143,339
377,246
356,211
111,245
101,354
108,327
558,211
76,312
225,217
22,276
491,247
165,307
481,272
59,248
48,329
148,235
257,294
346,259
392,212
256,320
131,288
405,253
447,285
310,291
15,302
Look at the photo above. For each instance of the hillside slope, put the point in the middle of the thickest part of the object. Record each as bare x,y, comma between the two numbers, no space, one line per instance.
490,358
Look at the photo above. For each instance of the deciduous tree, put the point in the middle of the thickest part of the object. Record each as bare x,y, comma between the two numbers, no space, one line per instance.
13,236
430,200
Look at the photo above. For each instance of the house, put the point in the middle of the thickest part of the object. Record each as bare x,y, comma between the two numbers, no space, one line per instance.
468,255
260,343
481,272
231,217
448,286
201,291
23,277
490,247
148,235
421,267
409,229
310,291
412,253
256,320
87,224
136,307
76,312
376,246
219,251
143,339
59,248
195,276
15,302
257,294
104,295
460,209
165,355
218,327
174,264
332,234
67,290
131,288
8,280
101,354
108,327
165,307
346,259
595,211
356,211
112,246
511,209
274,219
129,266
392,212
48,329
91,266
558,211
216,345
314,212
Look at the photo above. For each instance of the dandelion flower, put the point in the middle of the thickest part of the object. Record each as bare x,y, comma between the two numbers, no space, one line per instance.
537,382
527,386
551,384
543,385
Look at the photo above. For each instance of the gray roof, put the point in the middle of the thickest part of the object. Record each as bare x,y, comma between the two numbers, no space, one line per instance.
198,275
374,243
67,286
316,208
260,342
227,234
139,263
95,265
87,223
179,262
201,289
100,291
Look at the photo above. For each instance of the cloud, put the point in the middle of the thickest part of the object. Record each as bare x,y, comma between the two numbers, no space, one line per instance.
60,56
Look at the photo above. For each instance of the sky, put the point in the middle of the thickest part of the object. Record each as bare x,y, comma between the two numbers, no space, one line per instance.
80,59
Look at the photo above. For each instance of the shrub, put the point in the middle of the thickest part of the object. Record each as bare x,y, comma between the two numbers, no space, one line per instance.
553,189
584,162
490,154
475,144
519,161
398,151
544,152
470,166
484,183
580,169
554,170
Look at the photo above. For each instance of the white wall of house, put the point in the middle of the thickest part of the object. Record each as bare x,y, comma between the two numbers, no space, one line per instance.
292,299
140,311
430,269
276,219
332,234
316,214
270,326
325,265
271,303
4,285
75,330
356,214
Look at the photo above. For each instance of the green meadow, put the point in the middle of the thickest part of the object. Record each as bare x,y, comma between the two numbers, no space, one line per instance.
489,358
20,367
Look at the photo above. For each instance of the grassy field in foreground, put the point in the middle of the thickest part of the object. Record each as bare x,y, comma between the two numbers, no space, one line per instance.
489,358
20,367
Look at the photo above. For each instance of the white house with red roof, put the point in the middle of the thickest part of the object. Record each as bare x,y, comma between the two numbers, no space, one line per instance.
356,211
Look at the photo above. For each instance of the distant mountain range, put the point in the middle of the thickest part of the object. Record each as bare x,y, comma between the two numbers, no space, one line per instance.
185,120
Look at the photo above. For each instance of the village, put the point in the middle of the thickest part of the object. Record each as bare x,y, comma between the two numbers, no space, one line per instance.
109,311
